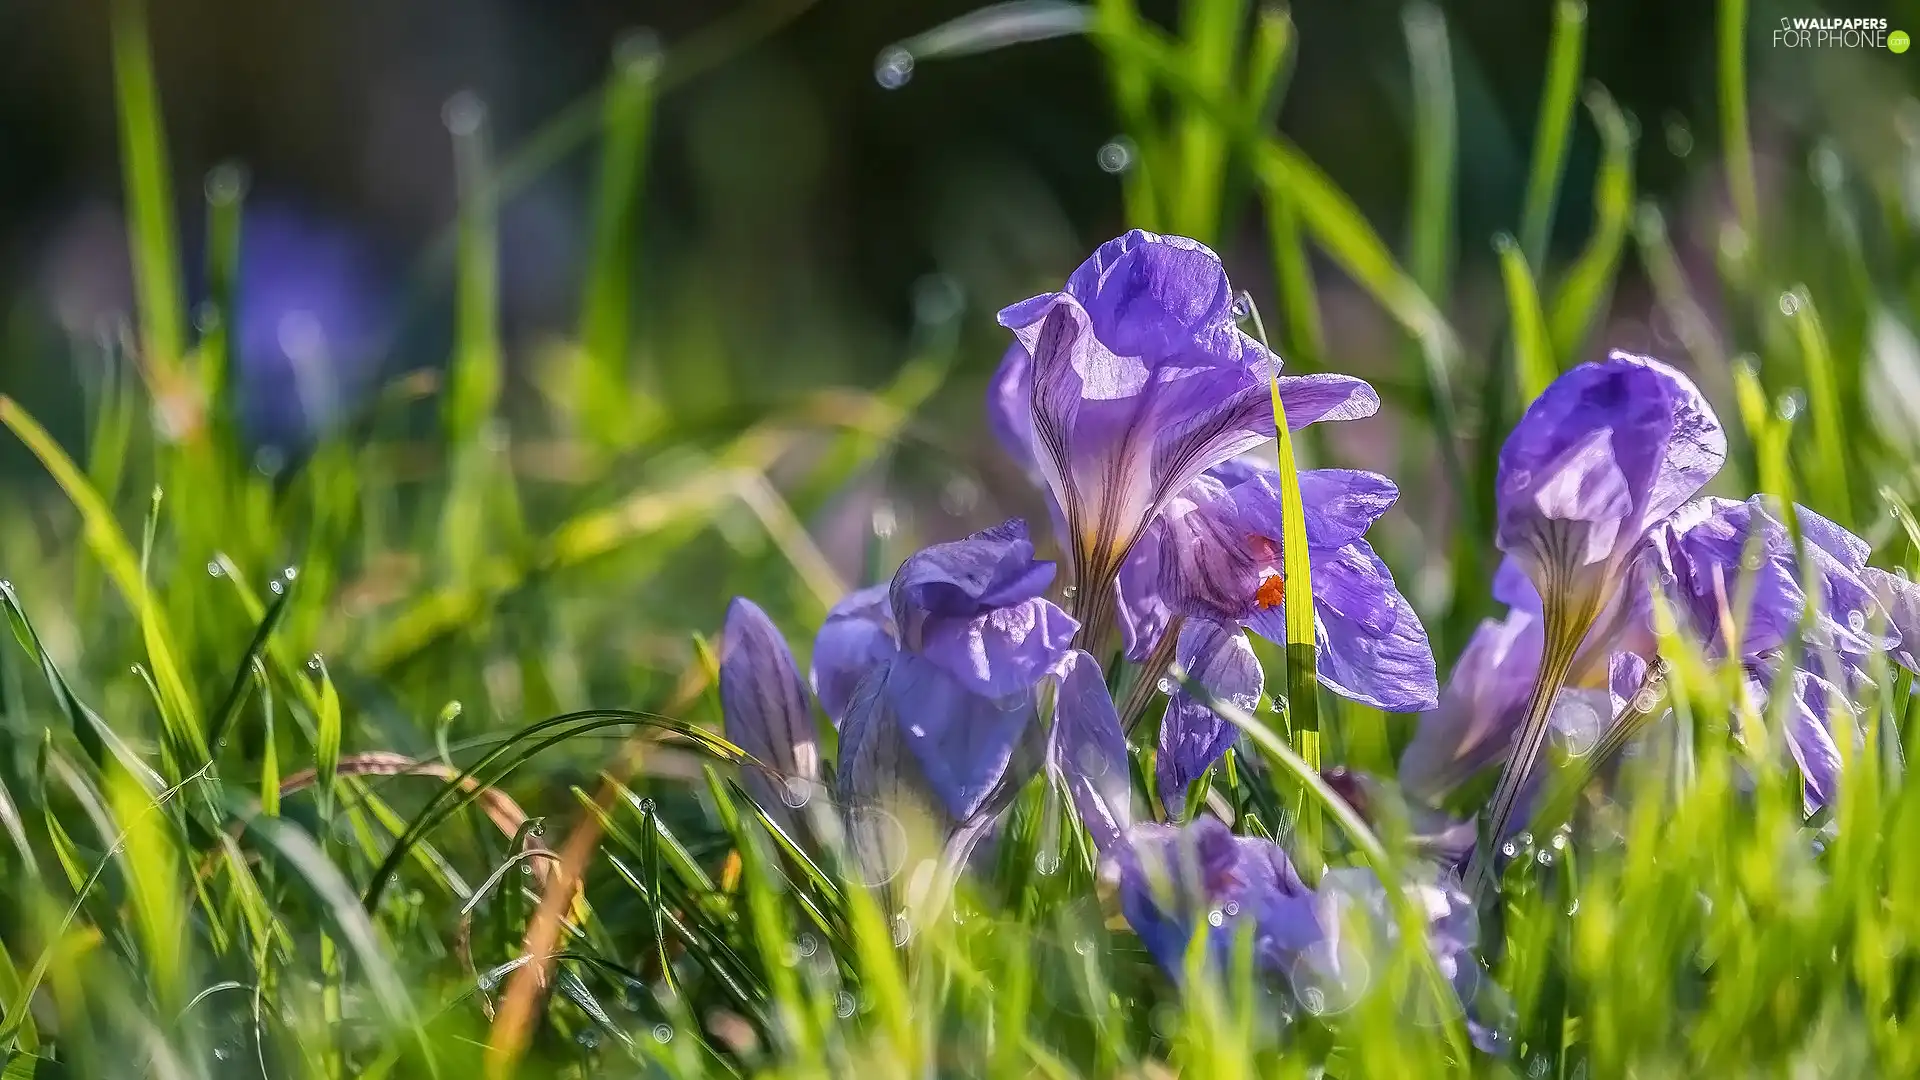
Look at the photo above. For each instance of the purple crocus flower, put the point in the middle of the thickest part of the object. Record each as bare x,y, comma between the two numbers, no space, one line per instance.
765,709
1140,381
1213,559
934,694
1172,877
1606,453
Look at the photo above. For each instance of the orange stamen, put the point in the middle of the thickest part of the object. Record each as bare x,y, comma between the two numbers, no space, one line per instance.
1271,593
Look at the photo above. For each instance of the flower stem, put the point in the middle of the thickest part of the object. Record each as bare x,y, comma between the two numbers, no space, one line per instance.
1557,658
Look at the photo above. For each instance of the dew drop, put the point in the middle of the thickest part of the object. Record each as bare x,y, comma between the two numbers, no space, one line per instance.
214,569
1509,849
1789,303
486,982
227,182
463,113
1313,1000
1857,620
316,662
1679,136
289,573
1116,156
1232,908
1165,685
885,522
1047,863
646,806
1560,841
1520,478
808,945
1544,857
222,1052
450,712
796,792
893,68
902,929
1083,946
206,317
1216,917
1070,592
1645,701
1790,404
588,1038
662,1034
843,1005
277,586
269,460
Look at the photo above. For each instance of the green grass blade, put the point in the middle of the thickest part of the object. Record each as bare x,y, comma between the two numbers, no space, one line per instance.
1828,486
1551,128
604,397
150,229
1730,26
1435,148
1583,295
1534,366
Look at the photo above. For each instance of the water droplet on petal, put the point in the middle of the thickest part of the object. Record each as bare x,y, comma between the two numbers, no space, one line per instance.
1165,685
796,792
893,67
1857,620
1216,917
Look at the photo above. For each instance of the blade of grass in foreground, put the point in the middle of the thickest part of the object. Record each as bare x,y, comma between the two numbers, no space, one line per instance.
1303,691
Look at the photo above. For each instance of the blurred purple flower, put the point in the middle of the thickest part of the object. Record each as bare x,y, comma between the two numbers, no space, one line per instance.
312,311
1140,380
1172,878
942,711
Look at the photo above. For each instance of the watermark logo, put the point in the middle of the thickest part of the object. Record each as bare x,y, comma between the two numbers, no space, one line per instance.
1821,32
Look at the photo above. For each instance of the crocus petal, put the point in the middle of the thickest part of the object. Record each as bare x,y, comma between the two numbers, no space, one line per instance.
1140,602
763,703
1010,405
1810,735
1726,552
973,608
962,742
1172,877
1192,736
1474,725
1141,381
1089,752
1901,597
855,640
1605,452
1212,559
1326,398
1373,647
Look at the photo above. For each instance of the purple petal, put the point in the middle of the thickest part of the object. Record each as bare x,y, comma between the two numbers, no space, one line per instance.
962,742
1810,735
1170,878
1010,406
1373,647
1725,552
1192,736
1608,450
1901,597
1089,752
855,640
1140,601
1474,725
1141,381
764,707
973,608
964,578
1212,558
1326,398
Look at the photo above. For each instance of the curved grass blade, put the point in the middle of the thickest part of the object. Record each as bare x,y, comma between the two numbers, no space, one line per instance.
89,728
513,752
250,670
1582,296
1534,366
